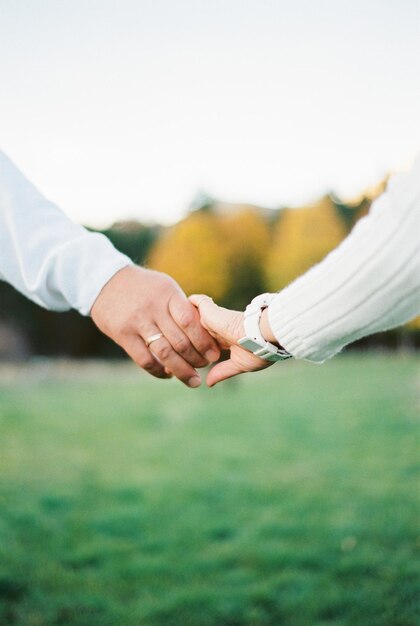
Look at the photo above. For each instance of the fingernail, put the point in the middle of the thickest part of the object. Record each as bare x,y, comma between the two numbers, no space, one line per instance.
211,356
195,381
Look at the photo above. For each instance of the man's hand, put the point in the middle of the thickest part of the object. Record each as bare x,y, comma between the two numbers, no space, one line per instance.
227,327
138,303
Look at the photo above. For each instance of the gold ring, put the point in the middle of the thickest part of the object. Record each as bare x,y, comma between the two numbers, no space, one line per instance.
153,338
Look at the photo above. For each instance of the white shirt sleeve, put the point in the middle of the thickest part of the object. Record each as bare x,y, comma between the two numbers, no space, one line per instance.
369,283
53,261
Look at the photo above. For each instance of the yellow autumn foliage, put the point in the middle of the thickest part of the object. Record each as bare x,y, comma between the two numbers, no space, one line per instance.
246,234
247,238
302,238
193,252
414,324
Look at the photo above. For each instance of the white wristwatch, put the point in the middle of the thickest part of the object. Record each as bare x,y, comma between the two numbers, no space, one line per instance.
254,341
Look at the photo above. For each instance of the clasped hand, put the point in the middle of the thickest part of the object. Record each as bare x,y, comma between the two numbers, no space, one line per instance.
227,326
139,304
167,334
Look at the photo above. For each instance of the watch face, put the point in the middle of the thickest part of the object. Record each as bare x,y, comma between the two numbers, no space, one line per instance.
249,344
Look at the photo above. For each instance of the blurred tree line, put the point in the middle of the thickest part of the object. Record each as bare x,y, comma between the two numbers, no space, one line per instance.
231,252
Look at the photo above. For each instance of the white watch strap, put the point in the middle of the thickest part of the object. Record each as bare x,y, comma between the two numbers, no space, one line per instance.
253,314
268,352
254,341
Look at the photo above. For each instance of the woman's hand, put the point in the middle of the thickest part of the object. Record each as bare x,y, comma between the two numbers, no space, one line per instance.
226,327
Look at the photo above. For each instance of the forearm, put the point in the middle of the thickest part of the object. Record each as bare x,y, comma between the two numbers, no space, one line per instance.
370,283
43,254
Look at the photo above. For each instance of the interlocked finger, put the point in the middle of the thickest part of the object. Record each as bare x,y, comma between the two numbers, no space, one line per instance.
141,355
181,343
162,349
188,320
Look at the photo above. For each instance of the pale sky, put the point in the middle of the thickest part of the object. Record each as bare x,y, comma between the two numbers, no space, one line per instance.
127,108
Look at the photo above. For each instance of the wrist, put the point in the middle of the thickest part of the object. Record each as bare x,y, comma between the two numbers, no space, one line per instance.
259,339
265,328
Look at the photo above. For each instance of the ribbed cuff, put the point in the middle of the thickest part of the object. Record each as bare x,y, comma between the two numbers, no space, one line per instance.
293,333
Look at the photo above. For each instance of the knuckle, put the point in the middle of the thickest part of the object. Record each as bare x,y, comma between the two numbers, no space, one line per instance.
201,362
186,318
138,320
166,281
124,336
163,351
204,342
182,345
147,363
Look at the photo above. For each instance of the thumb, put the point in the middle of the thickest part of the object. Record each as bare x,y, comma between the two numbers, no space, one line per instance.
222,371
219,321
210,313
198,298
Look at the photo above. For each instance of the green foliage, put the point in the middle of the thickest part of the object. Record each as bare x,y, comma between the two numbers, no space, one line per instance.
350,213
133,239
247,240
286,497
202,202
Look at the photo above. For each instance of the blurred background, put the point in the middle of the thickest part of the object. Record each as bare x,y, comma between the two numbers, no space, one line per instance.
165,124
231,144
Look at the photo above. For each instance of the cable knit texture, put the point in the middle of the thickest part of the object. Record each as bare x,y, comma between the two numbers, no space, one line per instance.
53,261
369,283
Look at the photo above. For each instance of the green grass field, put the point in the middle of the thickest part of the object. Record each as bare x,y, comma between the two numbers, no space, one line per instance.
289,497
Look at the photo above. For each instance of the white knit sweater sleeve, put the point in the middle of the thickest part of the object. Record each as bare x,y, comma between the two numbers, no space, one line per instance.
369,283
43,254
